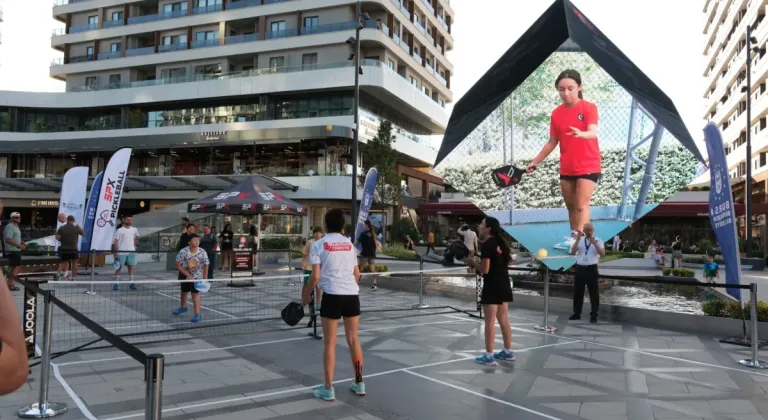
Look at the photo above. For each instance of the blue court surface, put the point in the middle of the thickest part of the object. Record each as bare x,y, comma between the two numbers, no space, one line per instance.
539,229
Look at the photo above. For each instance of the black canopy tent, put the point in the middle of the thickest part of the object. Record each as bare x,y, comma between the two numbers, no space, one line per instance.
561,21
249,197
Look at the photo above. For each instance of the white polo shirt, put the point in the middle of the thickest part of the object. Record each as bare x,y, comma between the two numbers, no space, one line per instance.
337,258
586,253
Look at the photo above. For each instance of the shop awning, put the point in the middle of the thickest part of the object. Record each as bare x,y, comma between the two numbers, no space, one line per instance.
457,209
153,183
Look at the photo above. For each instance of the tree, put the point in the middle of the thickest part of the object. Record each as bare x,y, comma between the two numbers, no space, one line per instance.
379,154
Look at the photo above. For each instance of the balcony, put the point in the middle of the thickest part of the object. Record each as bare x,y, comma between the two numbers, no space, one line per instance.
207,9
441,79
431,40
430,69
418,58
66,2
205,43
330,27
284,33
442,22
243,3
396,38
83,28
172,47
420,28
238,39
429,6
385,29
133,52
405,11
404,45
108,55
113,23
154,18
275,1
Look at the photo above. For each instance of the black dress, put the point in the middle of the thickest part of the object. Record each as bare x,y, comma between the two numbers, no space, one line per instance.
497,288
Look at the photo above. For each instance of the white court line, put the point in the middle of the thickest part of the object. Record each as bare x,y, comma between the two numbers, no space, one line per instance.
261,343
663,356
307,388
78,402
201,306
487,397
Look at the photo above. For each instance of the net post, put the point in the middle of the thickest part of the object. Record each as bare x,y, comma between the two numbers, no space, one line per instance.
545,326
755,361
421,304
313,318
154,371
44,409
478,294
93,266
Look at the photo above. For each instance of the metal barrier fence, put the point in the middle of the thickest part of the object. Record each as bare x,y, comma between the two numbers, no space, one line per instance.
153,363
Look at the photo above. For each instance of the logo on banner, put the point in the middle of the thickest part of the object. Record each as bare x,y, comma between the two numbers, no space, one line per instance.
267,207
299,209
267,196
104,219
71,208
113,192
226,195
718,182
196,207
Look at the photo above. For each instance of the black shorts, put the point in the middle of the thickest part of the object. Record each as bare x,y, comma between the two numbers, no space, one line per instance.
14,259
187,286
592,177
494,293
337,306
67,256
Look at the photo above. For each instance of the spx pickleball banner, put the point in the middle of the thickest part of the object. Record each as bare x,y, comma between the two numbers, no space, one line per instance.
722,214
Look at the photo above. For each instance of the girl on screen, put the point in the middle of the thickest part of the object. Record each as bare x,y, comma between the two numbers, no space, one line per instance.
573,126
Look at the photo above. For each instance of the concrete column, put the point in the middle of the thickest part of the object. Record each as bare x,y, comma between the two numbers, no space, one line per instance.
101,17
299,23
262,27
123,45
391,24
66,53
95,50
157,40
222,32
68,23
189,36
126,14
411,8
448,79
410,42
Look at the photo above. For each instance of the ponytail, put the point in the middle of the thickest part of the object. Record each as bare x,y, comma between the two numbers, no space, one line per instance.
580,95
496,231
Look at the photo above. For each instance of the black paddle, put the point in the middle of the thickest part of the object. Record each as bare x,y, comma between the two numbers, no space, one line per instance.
508,176
293,313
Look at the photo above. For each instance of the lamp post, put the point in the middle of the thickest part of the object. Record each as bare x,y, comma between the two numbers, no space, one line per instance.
748,182
355,42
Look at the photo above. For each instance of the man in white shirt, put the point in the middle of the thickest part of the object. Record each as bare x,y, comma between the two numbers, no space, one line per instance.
617,243
588,250
335,271
126,239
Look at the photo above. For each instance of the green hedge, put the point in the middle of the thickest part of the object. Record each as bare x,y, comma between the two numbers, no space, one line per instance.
702,260
622,254
679,272
379,268
731,309
398,251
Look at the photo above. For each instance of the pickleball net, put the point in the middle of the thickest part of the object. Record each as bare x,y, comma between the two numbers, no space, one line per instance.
145,315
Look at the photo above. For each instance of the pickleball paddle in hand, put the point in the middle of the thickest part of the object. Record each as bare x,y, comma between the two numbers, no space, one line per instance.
508,176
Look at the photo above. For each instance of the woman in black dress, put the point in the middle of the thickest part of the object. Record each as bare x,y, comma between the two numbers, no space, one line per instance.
495,256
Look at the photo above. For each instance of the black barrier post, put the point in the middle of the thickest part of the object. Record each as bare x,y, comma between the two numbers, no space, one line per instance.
154,371
29,322
290,270
755,361
44,409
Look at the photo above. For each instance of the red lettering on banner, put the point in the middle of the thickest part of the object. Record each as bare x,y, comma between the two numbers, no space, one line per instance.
108,193
337,246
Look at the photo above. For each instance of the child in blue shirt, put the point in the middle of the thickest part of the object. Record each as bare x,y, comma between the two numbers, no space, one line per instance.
711,270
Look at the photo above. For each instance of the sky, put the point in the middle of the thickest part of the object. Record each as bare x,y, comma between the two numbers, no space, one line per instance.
662,37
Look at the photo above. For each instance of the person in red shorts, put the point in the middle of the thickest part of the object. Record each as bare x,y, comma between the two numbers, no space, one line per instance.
573,126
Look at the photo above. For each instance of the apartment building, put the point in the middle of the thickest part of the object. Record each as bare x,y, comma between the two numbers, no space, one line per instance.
207,91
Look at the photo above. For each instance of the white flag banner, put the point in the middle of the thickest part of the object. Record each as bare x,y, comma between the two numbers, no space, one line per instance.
72,200
112,186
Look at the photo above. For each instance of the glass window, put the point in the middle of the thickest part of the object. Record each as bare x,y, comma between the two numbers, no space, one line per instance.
175,7
309,61
391,64
276,63
93,20
277,26
311,21
89,51
117,16
173,74
175,39
206,35
115,47
114,80
208,71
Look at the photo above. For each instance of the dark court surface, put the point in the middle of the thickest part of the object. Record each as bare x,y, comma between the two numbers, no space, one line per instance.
423,368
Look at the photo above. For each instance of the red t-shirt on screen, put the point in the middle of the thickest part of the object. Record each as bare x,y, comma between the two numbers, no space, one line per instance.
577,156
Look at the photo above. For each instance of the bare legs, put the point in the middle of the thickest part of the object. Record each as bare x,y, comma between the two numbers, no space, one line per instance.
492,314
195,301
577,195
330,328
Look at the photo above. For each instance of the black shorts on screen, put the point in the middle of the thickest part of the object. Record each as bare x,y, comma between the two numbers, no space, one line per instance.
337,306
592,177
14,259
188,286
67,256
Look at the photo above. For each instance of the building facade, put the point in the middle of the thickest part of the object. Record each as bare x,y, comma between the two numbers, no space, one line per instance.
207,91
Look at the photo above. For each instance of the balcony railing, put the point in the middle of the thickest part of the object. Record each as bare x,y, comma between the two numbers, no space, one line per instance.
405,11
108,55
329,27
113,23
243,3
429,37
207,9
172,47
153,18
59,31
429,7
404,45
418,58
132,52
385,29
442,22
274,1
441,79
83,28
238,39
430,69
419,27
65,2
396,38
397,3
204,43
285,33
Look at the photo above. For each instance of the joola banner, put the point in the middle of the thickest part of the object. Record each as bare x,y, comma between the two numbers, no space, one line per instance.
110,195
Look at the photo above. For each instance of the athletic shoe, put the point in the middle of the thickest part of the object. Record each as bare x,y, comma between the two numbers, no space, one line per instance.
180,311
486,360
133,286
323,393
374,287
116,287
593,319
574,317
567,243
503,355
358,388
196,318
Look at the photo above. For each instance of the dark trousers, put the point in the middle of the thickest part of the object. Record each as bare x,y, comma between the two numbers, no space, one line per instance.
211,264
432,247
586,275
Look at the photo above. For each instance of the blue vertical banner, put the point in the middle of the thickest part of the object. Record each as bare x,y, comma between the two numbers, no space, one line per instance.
369,187
722,214
90,213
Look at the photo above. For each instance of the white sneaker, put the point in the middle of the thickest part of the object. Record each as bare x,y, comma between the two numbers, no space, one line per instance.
567,243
